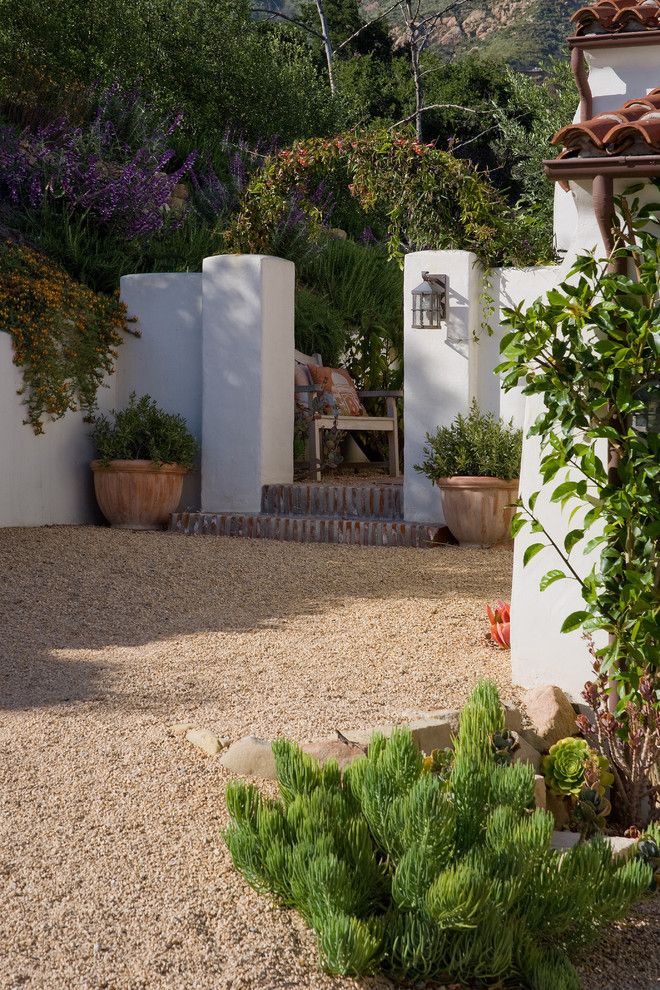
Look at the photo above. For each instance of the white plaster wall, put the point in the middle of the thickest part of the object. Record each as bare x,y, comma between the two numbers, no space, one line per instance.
166,361
620,74
247,380
436,368
44,480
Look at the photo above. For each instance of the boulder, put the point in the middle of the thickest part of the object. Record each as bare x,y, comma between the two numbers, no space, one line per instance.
251,756
540,797
551,715
434,732
524,753
343,751
512,717
207,741
559,807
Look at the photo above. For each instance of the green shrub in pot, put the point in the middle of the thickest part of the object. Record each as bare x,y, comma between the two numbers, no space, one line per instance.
144,431
477,445
143,457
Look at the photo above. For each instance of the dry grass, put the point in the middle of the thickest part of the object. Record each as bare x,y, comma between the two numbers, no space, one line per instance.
114,874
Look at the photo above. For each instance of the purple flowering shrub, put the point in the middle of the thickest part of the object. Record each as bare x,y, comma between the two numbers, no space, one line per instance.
115,174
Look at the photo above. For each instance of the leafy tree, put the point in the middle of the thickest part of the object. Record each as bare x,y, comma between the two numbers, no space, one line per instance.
208,58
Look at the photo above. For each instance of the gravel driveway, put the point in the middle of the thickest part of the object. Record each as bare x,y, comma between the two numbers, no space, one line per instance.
113,874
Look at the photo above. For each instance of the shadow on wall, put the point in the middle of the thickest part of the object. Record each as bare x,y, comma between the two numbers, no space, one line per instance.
67,594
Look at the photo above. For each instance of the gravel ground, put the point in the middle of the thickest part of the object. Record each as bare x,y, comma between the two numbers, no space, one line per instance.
113,873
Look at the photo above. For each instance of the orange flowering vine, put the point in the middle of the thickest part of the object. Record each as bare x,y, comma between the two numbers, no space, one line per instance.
65,336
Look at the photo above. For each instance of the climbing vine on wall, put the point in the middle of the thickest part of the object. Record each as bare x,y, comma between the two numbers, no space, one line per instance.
430,199
65,336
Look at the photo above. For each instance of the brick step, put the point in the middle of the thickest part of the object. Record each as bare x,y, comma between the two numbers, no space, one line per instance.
305,529
371,501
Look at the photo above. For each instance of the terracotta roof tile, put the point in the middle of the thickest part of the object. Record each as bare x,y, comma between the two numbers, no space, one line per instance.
616,16
633,129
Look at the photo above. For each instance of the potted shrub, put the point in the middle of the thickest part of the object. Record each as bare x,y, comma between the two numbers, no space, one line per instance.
476,464
142,459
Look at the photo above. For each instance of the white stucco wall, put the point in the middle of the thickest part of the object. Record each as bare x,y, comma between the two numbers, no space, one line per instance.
165,362
436,368
45,480
247,381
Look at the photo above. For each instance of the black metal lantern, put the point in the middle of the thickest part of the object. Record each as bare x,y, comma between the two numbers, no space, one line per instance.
647,420
430,302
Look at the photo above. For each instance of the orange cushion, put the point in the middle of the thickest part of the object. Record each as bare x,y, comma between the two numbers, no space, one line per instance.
339,391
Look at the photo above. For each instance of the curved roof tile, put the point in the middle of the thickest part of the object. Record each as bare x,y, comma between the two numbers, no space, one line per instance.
633,129
617,16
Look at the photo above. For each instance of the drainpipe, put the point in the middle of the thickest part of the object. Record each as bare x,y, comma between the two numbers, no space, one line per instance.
579,68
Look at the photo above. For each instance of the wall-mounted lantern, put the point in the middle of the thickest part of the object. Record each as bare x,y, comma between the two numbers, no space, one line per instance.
647,420
430,302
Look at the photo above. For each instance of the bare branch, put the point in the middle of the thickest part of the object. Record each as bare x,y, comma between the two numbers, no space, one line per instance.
368,24
434,106
285,17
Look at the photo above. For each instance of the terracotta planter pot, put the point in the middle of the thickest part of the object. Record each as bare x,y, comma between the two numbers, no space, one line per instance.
137,494
478,511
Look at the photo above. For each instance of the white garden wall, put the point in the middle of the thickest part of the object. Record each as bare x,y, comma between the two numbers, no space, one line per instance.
215,347
44,479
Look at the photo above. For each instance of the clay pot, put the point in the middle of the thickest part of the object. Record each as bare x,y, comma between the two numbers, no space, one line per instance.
478,511
137,494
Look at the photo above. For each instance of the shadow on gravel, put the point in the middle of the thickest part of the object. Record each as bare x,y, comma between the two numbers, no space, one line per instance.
87,588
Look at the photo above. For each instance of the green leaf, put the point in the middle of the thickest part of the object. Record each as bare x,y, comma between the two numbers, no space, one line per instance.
574,621
532,551
550,578
571,538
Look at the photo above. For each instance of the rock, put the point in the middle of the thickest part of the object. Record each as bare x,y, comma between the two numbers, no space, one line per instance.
512,717
562,841
540,796
621,846
559,808
207,741
363,736
524,753
180,728
551,715
334,749
434,732
251,756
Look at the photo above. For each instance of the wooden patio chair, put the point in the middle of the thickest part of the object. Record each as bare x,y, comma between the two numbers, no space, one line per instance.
351,424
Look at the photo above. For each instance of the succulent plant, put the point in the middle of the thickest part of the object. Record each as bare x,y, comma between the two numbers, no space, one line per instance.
565,765
648,851
500,624
503,744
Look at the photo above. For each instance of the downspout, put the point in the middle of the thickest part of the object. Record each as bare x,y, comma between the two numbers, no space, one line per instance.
579,67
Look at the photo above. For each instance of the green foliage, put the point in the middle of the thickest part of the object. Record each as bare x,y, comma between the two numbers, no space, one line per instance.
362,289
430,199
397,869
535,110
210,60
474,445
590,348
143,431
564,767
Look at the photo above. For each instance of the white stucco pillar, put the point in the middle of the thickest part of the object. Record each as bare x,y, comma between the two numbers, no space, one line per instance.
439,368
247,379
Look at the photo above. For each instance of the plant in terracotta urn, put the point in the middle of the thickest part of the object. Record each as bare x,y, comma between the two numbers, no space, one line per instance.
476,464
143,456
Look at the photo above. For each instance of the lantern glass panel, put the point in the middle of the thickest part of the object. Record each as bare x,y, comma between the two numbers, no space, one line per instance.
430,302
